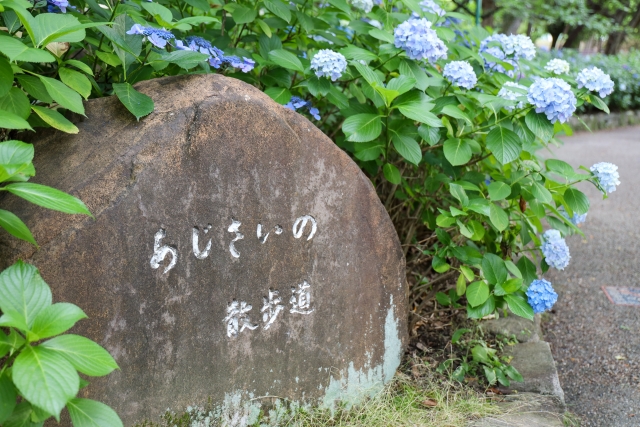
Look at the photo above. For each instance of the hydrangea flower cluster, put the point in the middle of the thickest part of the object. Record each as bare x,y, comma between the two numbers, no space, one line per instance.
327,63
417,38
157,37
509,49
541,295
557,66
607,175
552,96
510,95
555,249
575,219
460,73
54,6
216,56
296,103
431,6
363,5
595,80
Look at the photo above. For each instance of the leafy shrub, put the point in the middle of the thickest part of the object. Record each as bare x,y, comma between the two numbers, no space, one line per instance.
450,147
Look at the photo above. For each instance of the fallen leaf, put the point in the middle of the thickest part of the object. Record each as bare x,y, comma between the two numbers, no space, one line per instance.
621,357
430,403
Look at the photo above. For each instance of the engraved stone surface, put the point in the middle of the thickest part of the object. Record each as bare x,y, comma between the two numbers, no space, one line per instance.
236,253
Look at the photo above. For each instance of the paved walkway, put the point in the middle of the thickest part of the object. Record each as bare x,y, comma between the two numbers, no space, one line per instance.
597,344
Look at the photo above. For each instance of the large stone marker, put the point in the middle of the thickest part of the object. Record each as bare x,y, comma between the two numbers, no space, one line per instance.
236,253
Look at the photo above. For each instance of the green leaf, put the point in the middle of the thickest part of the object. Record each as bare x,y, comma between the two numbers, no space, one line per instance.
504,144
16,102
85,355
358,54
12,121
286,59
59,27
458,192
341,4
408,148
34,87
539,125
244,15
6,75
528,270
14,319
482,310
18,51
55,119
90,413
498,217
419,113
455,112
279,94
461,285
137,103
203,5
458,334
599,103
443,299
319,86
494,269
440,265
264,27
362,127
79,65
76,81
62,94
519,306
15,226
513,269
391,173
197,20
48,197
468,273
15,152
540,192
56,319
23,291
577,201
279,9
109,58
499,190
477,293
512,285
157,9
381,35
11,343
45,378
368,74
457,151
8,397
185,59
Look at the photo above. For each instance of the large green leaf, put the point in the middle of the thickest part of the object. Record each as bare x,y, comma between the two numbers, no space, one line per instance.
137,103
519,306
477,293
577,201
286,59
482,310
244,15
279,94
58,27
278,8
391,173
358,54
159,10
90,413
362,127
6,75
8,397
34,87
539,125
76,81
504,144
18,51
55,119
45,378
408,148
15,226
457,151
48,197
63,94
15,152
56,319
85,355
494,269
12,121
455,112
498,217
528,270
16,102
499,190
23,291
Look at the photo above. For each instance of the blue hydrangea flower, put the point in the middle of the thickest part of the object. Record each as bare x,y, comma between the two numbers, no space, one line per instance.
510,95
557,66
216,56
607,175
295,103
460,73
595,80
553,97
555,249
431,6
245,64
576,219
327,63
417,38
373,23
54,6
509,49
157,37
363,5
541,295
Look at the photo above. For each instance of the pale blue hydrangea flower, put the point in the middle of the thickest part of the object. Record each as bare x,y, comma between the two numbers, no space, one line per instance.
363,5
595,80
296,103
552,96
54,6
460,73
157,37
216,56
374,23
541,295
509,49
607,175
555,249
417,38
327,63
557,66
576,219
510,95
245,64
431,6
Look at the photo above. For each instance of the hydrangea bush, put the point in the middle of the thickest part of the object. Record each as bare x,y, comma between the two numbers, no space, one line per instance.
445,118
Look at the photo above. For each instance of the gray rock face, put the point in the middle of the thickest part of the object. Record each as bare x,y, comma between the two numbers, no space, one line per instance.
236,253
